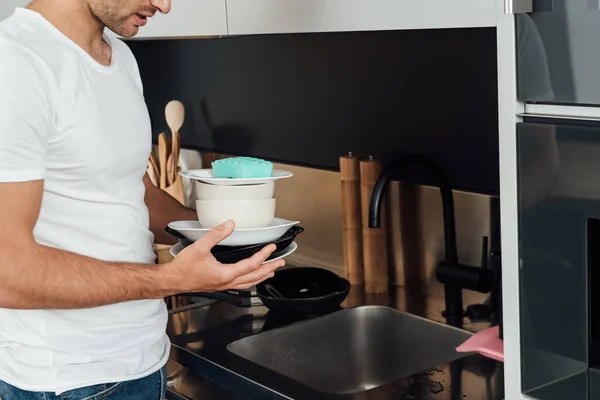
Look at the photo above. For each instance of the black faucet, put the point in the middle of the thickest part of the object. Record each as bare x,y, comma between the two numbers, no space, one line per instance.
450,272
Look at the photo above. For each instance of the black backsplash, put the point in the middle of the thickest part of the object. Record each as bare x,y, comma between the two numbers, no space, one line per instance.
307,99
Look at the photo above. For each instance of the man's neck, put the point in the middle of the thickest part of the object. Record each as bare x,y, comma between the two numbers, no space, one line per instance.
74,19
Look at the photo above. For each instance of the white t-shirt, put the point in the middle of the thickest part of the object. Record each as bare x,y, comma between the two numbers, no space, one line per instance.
84,128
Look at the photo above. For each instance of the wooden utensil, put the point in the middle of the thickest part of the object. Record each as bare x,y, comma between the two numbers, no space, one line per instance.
163,155
374,239
351,219
175,116
170,169
153,174
152,160
175,150
173,161
176,190
168,143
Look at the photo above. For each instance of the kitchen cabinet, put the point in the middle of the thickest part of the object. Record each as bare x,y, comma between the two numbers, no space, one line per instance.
559,224
296,16
7,7
188,18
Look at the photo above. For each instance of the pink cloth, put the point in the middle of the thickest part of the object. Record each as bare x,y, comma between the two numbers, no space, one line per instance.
487,343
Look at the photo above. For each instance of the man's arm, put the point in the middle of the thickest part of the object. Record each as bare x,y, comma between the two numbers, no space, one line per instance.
164,209
33,276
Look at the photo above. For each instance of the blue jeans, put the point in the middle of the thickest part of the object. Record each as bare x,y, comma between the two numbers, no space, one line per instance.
152,387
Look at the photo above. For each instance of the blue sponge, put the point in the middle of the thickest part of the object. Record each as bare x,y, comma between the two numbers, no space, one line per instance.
242,167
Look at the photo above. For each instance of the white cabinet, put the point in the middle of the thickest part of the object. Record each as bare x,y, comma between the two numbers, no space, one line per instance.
7,7
188,18
292,16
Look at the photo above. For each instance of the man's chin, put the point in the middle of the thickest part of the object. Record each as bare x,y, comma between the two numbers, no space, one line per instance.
126,31
131,33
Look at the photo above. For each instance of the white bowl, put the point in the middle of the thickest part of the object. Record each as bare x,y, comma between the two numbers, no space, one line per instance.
263,191
192,230
245,213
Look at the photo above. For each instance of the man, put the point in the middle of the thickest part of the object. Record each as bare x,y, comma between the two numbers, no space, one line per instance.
81,309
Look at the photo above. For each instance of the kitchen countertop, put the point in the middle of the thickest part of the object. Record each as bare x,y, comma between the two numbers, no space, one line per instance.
200,337
184,384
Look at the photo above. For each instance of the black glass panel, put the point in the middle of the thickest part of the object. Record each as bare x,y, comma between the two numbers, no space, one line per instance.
308,99
559,52
594,378
594,290
559,201
571,388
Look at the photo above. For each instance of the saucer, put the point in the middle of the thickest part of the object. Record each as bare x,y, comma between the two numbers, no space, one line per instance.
175,249
193,230
206,175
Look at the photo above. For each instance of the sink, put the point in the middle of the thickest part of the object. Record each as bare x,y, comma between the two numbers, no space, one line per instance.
353,350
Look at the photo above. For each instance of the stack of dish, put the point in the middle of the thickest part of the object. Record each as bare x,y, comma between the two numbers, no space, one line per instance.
234,189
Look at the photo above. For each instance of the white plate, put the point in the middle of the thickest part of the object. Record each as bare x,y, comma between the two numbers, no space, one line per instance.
175,249
193,231
206,176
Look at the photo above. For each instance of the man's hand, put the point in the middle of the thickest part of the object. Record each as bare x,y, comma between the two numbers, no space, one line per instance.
195,269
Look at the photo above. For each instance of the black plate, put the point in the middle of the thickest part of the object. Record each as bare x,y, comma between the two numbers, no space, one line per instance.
233,254
305,290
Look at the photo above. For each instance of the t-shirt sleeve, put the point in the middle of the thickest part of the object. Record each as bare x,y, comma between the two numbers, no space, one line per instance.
26,114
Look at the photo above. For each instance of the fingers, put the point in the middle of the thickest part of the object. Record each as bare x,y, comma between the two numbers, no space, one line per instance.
265,271
215,236
249,265
247,285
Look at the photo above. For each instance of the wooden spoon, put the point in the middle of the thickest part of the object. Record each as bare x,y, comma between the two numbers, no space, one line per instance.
162,159
168,144
175,149
175,116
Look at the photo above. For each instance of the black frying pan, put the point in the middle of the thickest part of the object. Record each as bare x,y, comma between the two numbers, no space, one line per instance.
233,254
303,290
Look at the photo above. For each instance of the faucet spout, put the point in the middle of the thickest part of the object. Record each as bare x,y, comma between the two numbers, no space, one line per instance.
396,171
377,199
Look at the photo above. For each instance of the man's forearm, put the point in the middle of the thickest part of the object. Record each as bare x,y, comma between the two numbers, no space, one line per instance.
39,277
163,210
